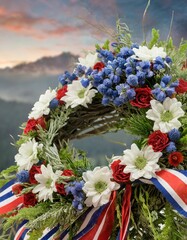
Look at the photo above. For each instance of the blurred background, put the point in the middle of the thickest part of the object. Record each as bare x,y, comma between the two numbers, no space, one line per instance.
40,39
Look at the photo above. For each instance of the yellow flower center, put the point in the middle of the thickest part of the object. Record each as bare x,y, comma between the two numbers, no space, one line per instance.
140,162
48,183
81,93
100,186
166,116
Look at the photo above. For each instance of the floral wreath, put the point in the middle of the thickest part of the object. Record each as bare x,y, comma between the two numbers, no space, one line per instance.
142,194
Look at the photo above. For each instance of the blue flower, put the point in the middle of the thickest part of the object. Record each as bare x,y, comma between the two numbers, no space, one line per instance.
105,100
158,64
131,93
54,103
132,80
107,82
126,52
22,176
85,82
168,60
118,101
75,188
102,88
169,91
115,79
174,135
166,79
171,147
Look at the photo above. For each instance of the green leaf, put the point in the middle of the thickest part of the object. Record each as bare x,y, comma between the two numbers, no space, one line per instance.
106,45
155,38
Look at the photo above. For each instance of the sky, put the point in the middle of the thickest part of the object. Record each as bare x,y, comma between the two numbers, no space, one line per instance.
30,29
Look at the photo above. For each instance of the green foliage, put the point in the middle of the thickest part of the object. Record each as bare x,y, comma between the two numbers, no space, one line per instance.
155,38
58,120
123,36
74,159
137,124
61,213
174,227
7,174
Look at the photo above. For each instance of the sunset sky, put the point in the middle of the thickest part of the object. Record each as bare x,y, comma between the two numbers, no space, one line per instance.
30,29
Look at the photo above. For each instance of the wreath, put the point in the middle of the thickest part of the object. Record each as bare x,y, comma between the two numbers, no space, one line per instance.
54,192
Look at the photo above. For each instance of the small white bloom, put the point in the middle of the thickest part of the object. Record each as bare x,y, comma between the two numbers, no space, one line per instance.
42,106
28,154
146,54
89,61
165,116
78,95
47,179
98,186
140,163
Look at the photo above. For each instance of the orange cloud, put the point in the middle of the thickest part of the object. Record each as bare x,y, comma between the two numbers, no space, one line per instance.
23,23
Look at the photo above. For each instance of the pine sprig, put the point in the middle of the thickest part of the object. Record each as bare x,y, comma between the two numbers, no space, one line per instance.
58,120
137,124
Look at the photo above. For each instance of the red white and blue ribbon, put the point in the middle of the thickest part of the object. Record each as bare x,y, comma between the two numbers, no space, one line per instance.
22,231
98,224
8,200
173,185
126,211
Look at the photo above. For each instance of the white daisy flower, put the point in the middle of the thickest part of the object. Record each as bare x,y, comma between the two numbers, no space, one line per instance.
165,116
42,106
28,154
78,95
140,163
89,61
145,54
46,180
98,186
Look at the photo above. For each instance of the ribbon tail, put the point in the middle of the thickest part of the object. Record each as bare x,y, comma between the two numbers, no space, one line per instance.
102,227
126,210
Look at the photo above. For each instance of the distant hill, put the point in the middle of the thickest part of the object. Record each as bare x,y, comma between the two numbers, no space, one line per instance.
45,65
27,81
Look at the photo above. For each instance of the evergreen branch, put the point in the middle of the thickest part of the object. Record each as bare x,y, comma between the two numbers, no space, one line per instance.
58,120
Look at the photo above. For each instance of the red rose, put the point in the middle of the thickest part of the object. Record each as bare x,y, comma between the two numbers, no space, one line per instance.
99,66
29,199
118,174
143,98
158,140
17,188
67,172
61,93
60,186
34,170
182,88
175,158
32,124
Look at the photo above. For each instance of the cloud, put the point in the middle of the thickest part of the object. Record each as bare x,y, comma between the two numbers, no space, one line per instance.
23,23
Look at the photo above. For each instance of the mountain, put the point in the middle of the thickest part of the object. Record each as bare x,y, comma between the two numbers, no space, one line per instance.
27,81
45,65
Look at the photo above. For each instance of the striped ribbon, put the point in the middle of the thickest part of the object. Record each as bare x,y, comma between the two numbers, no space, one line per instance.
9,201
22,231
98,222
173,185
